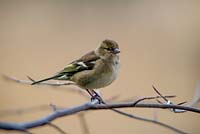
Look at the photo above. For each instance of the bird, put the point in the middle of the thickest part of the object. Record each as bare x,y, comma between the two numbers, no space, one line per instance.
94,70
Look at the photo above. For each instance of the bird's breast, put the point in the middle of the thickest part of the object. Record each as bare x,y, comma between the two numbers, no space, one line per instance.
102,75
105,75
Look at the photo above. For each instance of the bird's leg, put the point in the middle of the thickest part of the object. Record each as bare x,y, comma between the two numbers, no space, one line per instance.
89,92
96,96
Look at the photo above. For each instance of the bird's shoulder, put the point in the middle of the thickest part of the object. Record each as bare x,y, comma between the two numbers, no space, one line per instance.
86,62
88,57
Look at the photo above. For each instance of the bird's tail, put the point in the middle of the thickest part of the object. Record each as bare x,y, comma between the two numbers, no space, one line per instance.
50,78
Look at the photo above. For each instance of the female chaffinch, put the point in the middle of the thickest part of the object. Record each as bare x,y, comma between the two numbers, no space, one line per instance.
96,69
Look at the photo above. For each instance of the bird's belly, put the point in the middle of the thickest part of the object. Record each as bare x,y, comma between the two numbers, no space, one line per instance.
97,78
100,82
104,79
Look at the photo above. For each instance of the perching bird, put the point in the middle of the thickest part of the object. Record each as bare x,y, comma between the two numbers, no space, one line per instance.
96,69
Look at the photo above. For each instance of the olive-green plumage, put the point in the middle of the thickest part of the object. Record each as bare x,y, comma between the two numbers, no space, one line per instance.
96,69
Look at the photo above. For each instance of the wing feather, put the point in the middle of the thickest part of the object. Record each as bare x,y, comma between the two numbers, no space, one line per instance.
86,62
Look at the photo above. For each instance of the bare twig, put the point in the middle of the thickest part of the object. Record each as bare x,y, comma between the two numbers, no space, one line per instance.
144,105
164,98
169,102
55,108
45,120
151,98
196,98
84,107
93,106
57,128
84,125
32,80
19,111
152,121
44,107
61,85
145,119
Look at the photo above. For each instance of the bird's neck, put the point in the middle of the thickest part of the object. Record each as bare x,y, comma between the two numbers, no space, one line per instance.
113,59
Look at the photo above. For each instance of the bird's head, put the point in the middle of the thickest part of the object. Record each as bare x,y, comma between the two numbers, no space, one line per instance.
108,48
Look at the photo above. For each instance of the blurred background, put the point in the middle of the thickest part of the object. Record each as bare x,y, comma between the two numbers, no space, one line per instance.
160,46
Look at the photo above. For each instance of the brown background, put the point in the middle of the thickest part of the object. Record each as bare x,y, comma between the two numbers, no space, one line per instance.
160,46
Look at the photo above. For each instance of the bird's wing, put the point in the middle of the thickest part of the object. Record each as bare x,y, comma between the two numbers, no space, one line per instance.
86,62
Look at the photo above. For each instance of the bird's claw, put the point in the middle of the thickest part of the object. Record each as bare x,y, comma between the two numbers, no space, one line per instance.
98,98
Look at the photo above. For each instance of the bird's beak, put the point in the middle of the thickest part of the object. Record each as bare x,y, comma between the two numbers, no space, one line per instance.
116,51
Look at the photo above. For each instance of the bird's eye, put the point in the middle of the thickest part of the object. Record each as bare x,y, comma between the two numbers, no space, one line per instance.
108,49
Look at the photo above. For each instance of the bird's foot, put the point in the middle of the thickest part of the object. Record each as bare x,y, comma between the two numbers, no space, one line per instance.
97,97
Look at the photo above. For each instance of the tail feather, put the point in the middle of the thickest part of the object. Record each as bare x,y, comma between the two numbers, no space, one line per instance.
50,78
